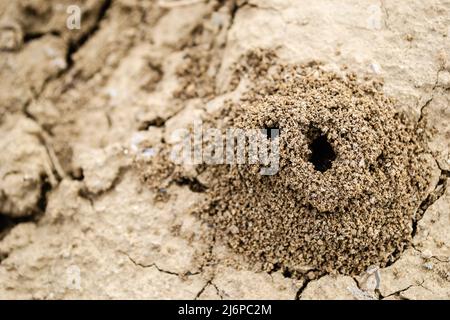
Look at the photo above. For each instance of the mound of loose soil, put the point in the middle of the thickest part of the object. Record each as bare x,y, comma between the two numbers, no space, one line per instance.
350,178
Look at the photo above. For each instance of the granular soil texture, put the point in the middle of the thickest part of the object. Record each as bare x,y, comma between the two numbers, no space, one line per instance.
351,176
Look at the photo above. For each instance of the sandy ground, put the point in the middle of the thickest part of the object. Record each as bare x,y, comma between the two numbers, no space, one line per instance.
76,220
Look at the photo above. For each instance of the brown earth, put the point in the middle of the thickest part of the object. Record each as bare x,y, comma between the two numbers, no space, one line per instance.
80,108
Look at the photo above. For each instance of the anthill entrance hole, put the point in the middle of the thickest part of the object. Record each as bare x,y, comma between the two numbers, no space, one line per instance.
5,224
322,153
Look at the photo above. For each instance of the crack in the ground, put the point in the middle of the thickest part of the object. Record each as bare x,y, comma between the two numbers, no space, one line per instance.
74,46
211,283
6,224
438,259
386,12
234,7
202,289
91,196
28,37
434,196
3,256
155,266
302,288
422,108
260,7
399,292
218,291
305,283
46,187
427,103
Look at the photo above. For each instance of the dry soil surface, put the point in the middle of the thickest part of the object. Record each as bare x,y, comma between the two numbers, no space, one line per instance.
79,108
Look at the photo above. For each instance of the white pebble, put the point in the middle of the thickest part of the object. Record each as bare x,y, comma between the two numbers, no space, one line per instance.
428,266
375,67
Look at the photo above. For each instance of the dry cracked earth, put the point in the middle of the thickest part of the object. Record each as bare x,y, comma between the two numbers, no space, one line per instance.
75,106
